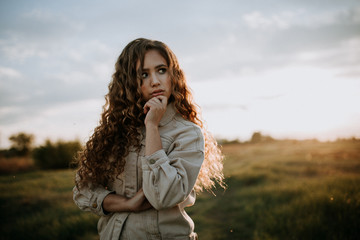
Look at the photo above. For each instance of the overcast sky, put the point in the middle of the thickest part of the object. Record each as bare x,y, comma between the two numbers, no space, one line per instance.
286,68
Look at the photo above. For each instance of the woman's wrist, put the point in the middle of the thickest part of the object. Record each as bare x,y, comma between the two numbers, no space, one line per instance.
151,125
116,203
152,141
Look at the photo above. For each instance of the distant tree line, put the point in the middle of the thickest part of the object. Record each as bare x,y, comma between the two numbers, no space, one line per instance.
56,155
256,137
50,155
61,154
21,145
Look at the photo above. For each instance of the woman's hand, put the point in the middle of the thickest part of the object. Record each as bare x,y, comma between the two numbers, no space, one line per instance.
118,203
154,110
139,202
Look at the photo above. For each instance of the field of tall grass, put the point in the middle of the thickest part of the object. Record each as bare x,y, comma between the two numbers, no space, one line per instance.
277,190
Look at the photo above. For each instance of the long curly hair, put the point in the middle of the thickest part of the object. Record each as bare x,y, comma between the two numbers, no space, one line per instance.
104,154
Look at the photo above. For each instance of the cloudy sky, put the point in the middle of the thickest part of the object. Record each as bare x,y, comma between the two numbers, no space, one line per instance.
283,67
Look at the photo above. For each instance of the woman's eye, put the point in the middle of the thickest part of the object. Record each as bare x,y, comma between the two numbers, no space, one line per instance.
144,75
162,70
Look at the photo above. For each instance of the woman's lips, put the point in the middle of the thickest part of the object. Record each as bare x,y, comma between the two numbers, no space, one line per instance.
157,93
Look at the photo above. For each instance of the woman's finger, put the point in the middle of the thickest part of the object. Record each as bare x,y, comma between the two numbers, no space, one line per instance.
159,101
162,99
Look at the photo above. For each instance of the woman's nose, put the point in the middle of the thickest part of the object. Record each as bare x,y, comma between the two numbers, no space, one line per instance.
154,80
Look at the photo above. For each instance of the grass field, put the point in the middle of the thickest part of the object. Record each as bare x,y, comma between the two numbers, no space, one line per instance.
278,190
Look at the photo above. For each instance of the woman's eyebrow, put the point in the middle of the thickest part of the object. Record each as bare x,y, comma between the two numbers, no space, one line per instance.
156,67
161,65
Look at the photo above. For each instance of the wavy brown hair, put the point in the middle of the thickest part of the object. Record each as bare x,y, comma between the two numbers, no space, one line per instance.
103,156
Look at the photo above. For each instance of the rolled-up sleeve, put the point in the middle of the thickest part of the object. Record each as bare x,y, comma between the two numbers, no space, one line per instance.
91,199
168,179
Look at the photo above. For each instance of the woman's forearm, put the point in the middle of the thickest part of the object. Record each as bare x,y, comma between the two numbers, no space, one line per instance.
118,203
154,110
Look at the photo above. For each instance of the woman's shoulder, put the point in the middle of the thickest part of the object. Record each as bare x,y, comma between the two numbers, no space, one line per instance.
183,133
180,127
184,123
174,125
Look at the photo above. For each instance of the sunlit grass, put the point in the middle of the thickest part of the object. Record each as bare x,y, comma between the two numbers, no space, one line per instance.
16,164
277,190
285,190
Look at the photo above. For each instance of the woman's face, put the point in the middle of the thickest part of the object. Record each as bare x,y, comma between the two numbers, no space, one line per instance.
155,76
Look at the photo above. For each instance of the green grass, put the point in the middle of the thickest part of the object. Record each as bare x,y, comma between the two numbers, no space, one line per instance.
278,190
38,205
285,190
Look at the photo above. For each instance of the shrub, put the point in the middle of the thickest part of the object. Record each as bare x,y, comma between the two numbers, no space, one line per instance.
56,155
21,144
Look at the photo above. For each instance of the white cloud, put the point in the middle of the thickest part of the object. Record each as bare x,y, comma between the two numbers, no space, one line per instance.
299,101
55,54
63,121
18,51
356,15
258,20
344,58
9,110
302,17
6,72
36,33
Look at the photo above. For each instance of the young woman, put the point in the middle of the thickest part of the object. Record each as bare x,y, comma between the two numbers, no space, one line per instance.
150,153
